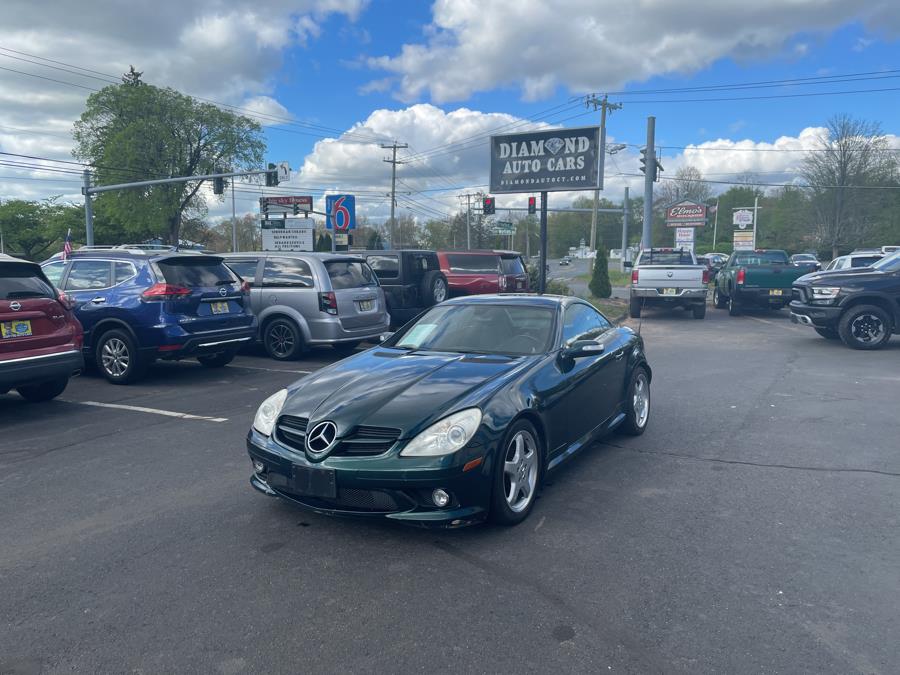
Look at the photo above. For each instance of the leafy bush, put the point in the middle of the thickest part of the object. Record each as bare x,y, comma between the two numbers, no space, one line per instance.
600,286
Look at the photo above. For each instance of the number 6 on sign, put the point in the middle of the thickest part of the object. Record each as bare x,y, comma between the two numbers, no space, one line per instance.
341,210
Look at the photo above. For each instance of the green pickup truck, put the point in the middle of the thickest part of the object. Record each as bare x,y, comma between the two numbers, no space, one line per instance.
756,278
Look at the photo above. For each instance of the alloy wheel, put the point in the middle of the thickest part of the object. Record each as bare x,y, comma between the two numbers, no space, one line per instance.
520,471
867,328
440,291
114,357
640,400
281,340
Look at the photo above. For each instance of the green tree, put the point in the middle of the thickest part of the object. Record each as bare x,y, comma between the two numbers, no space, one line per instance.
34,230
323,242
600,286
134,131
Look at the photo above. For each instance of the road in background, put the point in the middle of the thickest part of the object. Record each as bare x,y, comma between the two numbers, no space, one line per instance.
751,529
579,267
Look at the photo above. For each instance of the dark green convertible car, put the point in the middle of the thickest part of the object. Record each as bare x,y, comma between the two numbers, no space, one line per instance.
456,417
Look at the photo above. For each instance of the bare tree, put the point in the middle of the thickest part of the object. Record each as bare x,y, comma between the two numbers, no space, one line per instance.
688,183
851,158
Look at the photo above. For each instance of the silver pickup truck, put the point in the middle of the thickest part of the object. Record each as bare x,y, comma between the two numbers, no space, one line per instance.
666,276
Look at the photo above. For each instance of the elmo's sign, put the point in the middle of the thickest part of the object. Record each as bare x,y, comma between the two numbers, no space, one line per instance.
686,214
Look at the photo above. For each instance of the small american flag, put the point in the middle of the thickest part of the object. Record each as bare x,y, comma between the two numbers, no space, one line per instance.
67,246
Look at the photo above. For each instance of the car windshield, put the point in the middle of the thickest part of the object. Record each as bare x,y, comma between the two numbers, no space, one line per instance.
761,258
195,272
350,274
889,264
19,281
480,329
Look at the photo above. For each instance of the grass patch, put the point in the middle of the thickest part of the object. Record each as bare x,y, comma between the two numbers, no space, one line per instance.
616,278
611,308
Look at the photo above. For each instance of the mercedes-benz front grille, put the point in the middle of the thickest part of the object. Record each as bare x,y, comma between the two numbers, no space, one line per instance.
291,431
363,441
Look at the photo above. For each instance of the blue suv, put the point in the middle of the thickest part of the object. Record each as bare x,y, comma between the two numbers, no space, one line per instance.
137,306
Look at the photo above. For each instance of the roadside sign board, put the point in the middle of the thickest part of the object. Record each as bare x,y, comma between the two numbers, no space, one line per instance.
554,160
303,201
290,239
284,172
503,227
686,213
743,217
684,238
341,210
341,238
743,240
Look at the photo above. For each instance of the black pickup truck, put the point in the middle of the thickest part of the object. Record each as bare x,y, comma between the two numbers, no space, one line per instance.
860,305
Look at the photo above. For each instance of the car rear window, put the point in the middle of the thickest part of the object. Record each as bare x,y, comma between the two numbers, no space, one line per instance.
384,266
467,263
512,265
18,281
864,261
350,274
666,258
287,272
195,272
761,258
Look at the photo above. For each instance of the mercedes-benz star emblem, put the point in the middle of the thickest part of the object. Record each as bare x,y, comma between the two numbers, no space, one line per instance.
15,306
223,291
321,437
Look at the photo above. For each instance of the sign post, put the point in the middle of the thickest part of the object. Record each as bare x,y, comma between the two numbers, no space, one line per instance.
554,160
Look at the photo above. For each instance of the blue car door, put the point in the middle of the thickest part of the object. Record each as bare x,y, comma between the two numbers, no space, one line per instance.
89,283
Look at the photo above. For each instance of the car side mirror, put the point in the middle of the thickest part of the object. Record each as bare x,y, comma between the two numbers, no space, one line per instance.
581,348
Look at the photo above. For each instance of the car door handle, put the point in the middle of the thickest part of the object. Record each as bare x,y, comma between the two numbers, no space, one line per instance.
98,301
620,355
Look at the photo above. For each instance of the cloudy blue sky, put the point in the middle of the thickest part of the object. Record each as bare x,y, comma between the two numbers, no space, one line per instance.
332,79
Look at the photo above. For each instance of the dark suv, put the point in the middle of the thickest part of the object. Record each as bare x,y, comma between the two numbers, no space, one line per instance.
412,281
860,306
138,306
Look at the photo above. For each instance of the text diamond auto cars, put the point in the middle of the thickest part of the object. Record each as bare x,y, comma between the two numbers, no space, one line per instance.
456,417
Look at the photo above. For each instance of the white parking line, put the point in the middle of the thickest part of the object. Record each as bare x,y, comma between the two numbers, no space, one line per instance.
152,411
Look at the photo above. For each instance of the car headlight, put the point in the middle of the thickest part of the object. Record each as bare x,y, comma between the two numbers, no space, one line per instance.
446,436
825,293
268,412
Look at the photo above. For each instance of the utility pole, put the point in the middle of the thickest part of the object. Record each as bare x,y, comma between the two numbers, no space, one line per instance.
716,226
234,244
755,220
649,175
393,161
88,210
468,197
626,208
604,106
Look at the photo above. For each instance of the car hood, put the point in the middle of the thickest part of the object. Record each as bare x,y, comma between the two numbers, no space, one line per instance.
386,387
840,276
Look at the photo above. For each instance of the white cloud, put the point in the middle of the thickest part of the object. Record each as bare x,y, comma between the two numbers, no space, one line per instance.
591,45
266,107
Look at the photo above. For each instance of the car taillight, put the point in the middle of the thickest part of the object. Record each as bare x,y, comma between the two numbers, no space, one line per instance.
66,300
328,303
705,277
634,276
163,292
741,276
245,287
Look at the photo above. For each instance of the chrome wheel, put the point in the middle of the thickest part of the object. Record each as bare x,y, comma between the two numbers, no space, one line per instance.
281,340
114,357
867,328
640,400
520,471
440,291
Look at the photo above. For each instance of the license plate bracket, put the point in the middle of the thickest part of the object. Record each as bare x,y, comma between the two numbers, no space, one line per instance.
14,329
776,292
219,307
670,291
366,305
314,482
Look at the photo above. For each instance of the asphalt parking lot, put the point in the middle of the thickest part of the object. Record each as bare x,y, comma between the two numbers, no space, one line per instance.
753,528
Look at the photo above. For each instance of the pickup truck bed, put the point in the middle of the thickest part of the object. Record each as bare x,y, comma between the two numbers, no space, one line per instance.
668,278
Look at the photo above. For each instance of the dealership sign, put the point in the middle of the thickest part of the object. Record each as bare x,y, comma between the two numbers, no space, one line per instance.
686,213
743,218
559,159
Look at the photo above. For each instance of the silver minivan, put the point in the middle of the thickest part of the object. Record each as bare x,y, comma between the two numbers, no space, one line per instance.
308,299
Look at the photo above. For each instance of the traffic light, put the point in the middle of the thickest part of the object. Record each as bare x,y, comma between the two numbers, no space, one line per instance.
659,169
218,186
532,205
296,209
644,160
272,175
487,206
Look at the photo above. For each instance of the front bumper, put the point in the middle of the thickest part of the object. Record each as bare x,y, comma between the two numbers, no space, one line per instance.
39,368
388,487
819,316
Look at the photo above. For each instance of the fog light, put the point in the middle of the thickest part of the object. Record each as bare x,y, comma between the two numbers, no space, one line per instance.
258,466
440,498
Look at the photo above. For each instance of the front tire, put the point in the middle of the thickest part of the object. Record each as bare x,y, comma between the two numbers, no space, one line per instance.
634,308
44,391
518,475
719,300
637,403
117,358
865,327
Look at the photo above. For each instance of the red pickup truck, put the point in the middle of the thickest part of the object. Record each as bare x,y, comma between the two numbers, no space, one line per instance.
480,272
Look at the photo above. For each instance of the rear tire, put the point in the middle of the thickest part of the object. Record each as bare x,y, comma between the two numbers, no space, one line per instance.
216,360
734,307
828,333
434,288
118,359
866,327
699,311
43,391
637,403
634,308
506,510
282,339
719,300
